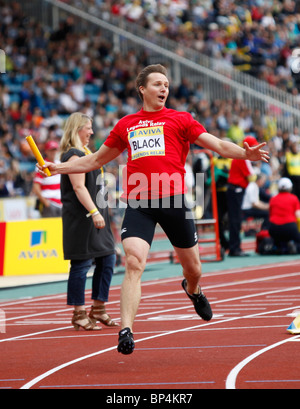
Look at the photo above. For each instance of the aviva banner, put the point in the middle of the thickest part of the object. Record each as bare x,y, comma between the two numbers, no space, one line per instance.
34,247
2,246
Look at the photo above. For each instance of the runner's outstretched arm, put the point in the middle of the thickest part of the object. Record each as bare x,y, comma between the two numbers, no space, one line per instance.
82,165
231,150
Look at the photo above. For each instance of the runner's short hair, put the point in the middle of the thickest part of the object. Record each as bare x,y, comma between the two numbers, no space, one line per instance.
142,78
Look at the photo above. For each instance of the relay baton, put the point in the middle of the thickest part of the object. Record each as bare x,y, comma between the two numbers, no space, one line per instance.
37,153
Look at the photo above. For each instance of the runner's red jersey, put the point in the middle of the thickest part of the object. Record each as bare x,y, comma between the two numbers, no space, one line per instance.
157,144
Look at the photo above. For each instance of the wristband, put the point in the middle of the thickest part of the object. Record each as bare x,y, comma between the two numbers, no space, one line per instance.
92,212
298,224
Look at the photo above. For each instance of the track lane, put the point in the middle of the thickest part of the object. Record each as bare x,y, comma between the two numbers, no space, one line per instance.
222,288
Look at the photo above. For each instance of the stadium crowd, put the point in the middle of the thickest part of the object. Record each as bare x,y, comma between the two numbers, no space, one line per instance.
254,36
50,74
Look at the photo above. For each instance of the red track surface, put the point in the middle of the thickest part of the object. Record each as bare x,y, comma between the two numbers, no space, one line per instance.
246,344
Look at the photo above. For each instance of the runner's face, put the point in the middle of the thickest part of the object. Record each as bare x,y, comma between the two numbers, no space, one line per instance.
156,92
85,132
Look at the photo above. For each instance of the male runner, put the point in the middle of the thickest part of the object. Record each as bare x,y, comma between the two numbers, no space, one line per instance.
157,140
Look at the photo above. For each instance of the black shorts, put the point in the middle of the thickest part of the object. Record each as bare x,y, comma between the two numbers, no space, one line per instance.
174,217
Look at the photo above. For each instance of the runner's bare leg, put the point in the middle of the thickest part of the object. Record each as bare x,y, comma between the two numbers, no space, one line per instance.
190,260
136,252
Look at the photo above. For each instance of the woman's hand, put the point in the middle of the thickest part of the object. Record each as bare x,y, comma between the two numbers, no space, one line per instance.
99,221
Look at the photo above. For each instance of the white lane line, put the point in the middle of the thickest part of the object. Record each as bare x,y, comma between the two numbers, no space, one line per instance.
242,282
168,310
166,280
36,380
231,378
165,310
155,295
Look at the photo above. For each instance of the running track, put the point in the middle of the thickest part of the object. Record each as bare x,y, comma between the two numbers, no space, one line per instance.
244,346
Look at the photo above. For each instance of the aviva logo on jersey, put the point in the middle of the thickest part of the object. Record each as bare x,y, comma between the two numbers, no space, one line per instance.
147,142
146,132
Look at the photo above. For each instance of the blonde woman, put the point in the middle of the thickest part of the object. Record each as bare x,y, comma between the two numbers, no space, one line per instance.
86,229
